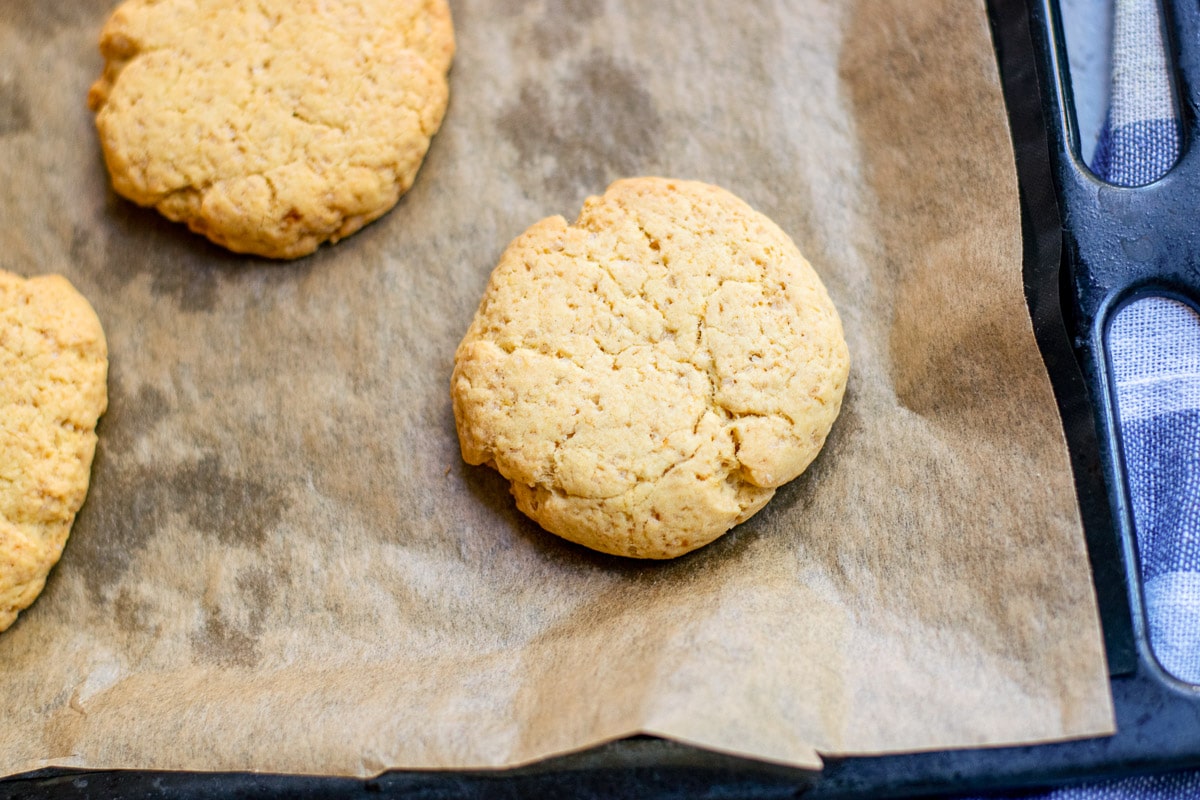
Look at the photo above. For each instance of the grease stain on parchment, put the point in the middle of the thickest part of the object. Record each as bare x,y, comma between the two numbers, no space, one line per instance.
600,124
559,27
235,622
14,107
132,614
129,502
235,616
183,268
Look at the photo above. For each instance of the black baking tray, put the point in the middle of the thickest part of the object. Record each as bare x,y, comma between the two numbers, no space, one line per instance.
1077,270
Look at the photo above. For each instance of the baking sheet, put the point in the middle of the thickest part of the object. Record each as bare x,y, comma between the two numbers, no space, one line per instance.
283,564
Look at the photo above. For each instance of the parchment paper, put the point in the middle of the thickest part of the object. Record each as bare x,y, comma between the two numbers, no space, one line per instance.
283,563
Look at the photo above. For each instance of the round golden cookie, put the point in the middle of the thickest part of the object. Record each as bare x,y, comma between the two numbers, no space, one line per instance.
53,389
646,377
272,126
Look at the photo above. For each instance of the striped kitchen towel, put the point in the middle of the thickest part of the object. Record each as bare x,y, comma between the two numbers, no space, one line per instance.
1154,344
1154,347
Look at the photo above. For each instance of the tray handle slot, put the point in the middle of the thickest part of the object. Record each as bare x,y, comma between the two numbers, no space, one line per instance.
1152,348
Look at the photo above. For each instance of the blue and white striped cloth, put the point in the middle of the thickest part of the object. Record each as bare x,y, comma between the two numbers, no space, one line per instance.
1154,346
1155,349
1140,141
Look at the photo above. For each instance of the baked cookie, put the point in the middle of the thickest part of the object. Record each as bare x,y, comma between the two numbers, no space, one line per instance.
53,373
272,126
646,377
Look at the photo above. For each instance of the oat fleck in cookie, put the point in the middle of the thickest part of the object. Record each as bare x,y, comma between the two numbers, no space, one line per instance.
271,126
53,378
648,376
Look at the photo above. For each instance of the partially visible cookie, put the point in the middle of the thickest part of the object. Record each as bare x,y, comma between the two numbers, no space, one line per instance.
273,126
53,389
648,376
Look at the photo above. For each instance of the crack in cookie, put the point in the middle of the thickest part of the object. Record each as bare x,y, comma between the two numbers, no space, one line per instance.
648,376
53,389
271,127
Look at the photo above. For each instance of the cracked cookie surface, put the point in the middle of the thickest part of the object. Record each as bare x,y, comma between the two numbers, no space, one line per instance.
271,126
649,375
53,389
